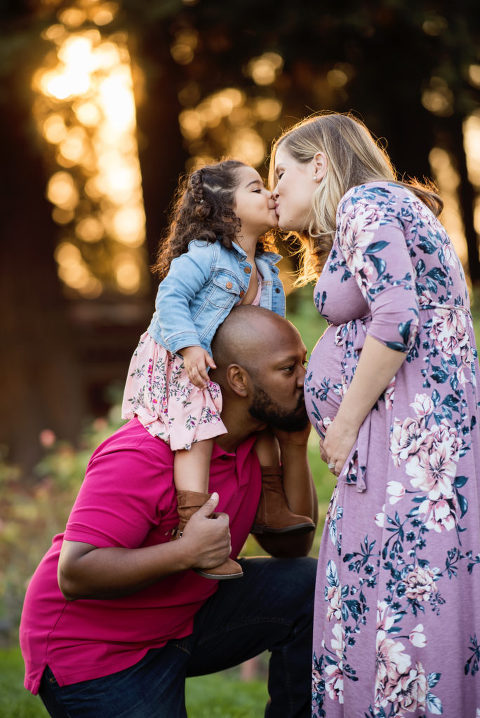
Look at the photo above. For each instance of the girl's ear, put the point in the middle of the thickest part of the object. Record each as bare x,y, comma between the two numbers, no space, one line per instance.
320,164
238,380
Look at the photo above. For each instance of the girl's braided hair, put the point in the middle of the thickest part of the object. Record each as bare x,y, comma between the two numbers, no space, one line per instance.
204,208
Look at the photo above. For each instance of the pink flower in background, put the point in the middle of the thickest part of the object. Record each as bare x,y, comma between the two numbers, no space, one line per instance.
47,438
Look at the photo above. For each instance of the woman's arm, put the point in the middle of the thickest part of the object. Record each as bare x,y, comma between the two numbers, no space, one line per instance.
85,571
371,237
376,367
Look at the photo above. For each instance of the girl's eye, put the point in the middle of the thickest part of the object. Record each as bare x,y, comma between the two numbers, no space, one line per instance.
280,175
289,369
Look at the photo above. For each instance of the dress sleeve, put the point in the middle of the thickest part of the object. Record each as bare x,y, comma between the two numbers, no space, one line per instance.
121,498
186,277
371,237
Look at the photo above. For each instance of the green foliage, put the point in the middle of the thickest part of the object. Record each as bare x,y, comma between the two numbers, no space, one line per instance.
34,511
221,695
15,701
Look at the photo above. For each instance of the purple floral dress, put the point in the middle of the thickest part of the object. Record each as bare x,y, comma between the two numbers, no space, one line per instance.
397,612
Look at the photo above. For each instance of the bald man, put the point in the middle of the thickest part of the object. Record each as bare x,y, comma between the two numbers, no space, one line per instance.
115,618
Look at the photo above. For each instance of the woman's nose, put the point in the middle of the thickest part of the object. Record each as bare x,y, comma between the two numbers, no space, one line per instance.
275,191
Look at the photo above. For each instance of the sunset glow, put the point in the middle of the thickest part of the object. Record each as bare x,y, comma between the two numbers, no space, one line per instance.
86,111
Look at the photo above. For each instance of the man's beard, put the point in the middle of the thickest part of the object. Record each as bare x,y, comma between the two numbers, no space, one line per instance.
266,410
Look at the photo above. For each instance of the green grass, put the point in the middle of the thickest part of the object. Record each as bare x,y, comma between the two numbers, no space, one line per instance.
221,695
15,701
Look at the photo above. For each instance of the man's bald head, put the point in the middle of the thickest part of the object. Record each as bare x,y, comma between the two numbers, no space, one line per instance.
260,368
248,334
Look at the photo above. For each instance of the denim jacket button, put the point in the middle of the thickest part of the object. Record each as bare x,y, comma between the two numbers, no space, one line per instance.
229,285
242,293
247,270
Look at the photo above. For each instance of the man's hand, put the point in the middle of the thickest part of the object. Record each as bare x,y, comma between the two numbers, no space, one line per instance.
295,438
206,537
196,360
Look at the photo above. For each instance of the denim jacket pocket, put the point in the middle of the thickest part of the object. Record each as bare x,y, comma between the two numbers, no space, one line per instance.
223,288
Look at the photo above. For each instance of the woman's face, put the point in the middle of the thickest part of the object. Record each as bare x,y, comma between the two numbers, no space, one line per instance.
294,189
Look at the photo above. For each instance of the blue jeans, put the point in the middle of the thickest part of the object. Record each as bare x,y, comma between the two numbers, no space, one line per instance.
270,608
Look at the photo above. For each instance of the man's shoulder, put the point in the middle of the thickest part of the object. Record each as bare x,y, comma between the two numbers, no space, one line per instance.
132,438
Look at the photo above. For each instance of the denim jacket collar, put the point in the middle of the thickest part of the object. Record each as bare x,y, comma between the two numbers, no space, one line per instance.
272,256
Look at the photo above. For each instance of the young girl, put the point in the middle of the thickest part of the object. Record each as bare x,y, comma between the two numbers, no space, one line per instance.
211,260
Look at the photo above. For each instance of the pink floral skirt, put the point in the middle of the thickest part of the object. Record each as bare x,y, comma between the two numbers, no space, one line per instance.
159,392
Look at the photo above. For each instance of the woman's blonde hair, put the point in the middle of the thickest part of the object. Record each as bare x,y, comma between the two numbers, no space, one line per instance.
353,158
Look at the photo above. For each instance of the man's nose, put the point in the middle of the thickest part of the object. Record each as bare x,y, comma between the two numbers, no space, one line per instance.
301,376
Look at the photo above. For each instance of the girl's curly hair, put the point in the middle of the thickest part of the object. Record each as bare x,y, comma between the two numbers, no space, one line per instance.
203,209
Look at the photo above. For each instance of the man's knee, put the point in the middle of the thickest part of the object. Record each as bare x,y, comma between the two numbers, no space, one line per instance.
294,579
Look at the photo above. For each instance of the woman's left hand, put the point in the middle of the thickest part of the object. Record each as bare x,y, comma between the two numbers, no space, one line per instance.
338,442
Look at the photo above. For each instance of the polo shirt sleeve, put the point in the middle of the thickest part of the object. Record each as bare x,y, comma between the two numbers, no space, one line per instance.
126,493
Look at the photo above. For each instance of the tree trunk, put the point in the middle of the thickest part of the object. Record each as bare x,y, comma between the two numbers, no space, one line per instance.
40,387
452,140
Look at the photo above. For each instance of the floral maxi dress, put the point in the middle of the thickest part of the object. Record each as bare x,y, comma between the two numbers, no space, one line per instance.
397,610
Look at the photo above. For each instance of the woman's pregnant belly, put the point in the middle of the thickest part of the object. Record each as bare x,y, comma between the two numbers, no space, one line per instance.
325,382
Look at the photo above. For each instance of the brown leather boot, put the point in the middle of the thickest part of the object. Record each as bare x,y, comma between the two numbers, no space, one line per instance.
273,514
188,503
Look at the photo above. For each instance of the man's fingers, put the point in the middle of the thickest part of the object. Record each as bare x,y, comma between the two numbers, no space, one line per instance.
209,506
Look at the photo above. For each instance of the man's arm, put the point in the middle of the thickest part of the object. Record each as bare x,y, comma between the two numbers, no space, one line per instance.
300,492
85,571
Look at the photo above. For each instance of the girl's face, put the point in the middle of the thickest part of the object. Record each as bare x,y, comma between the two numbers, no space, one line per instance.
254,205
296,183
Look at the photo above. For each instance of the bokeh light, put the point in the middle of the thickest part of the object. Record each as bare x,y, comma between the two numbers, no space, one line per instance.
85,110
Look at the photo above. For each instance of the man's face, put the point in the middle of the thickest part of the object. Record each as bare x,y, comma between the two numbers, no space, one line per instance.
278,386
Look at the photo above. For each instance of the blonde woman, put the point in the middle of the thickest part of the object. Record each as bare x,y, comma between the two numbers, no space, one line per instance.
391,390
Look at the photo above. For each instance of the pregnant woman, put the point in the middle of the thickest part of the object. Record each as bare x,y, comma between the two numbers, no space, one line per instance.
391,390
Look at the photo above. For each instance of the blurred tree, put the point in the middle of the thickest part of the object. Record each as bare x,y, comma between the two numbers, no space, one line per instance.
40,386
402,65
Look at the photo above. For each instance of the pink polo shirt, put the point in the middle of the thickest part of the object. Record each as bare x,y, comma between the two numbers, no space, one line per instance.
128,499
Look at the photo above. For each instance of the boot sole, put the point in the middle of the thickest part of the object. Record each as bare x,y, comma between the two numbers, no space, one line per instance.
297,529
217,577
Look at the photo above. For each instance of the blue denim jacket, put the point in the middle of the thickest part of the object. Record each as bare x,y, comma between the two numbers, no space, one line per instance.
202,287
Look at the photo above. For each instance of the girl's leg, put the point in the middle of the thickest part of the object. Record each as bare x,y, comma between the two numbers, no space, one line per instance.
191,468
191,473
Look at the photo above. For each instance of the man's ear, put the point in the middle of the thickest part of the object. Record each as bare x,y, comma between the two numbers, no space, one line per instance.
238,380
